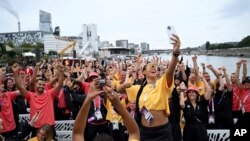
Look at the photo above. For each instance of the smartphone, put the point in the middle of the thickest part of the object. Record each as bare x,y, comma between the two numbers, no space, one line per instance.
171,31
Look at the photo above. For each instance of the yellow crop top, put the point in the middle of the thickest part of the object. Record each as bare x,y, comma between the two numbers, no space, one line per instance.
153,97
111,114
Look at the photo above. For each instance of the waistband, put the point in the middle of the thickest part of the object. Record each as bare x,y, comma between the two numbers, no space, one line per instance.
157,127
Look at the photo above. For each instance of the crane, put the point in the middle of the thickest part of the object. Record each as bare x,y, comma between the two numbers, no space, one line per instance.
68,48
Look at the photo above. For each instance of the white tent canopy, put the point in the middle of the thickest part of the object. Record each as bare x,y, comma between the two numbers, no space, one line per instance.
26,54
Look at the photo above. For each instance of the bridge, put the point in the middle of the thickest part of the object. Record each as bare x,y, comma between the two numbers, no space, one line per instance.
169,51
198,51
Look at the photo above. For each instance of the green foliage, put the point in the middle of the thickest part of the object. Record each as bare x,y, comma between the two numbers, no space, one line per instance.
40,45
11,54
26,50
132,51
207,45
52,52
10,43
2,48
245,42
27,45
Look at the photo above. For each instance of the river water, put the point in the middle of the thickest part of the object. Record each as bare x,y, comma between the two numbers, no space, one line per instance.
216,61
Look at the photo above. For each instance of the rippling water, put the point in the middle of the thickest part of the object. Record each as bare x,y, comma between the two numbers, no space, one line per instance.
216,61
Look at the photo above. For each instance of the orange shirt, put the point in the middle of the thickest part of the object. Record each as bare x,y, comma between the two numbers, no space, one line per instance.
6,113
44,105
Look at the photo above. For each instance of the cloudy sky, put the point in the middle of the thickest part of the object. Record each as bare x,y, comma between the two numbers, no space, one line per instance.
195,21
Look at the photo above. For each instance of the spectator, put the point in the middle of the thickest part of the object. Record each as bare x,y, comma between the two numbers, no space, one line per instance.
152,99
41,100
194,109
80,122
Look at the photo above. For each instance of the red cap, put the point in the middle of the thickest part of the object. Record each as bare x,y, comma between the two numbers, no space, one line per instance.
193,88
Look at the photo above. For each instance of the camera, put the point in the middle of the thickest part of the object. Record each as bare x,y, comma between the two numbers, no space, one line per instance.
102,81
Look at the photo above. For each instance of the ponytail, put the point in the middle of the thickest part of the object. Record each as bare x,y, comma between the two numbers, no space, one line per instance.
137,110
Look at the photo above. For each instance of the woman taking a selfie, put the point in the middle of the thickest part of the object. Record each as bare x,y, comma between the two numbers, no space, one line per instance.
152,99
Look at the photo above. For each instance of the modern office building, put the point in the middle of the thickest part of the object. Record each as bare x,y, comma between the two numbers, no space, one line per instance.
90,39
144,46
45,23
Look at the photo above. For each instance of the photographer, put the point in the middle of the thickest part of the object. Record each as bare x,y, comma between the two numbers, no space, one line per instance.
80,122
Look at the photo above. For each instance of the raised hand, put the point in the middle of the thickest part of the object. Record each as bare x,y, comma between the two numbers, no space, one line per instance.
203,65
176,44
244,61
111,95
94,89
194,58
210,66
238,64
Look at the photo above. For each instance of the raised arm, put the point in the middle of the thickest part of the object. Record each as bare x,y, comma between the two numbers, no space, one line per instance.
215,72
18,81
60,79
33,78
183,72
209,91
174,60
228,83
181,89
238,65
129,122
81,119
244,71
203,68
221,87
196,70
121,88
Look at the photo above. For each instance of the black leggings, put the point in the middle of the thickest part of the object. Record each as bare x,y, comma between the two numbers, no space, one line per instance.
159,133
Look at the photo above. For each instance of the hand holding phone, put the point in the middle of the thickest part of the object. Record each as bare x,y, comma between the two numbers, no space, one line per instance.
171,31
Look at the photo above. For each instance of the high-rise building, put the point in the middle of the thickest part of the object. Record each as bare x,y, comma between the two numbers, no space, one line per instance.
45,23
144,46
89,36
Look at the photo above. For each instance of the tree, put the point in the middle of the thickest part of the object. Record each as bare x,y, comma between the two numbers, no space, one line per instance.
52,52
245,42
27,45
10,43
40,45
132,51
207,45
2,48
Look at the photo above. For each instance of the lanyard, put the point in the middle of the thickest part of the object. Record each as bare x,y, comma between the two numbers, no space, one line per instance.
147,93
97,102
212,102
244,101
114,115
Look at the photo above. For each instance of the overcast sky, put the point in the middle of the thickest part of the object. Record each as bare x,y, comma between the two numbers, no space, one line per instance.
195,21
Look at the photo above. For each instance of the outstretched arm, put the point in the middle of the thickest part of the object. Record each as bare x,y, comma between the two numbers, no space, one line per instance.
81,119
129,122
174,60
244,71
18,81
